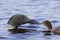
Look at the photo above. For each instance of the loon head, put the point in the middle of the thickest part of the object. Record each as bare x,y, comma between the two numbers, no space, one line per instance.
48,25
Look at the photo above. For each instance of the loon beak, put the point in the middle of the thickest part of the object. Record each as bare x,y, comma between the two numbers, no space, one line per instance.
40,23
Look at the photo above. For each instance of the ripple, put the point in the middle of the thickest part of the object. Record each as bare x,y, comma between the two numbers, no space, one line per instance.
1,4
3,18
34,0
55,21
3,38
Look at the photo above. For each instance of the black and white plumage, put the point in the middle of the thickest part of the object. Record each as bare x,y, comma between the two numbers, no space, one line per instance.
19,19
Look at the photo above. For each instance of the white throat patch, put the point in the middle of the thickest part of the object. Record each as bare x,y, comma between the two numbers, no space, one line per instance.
10,26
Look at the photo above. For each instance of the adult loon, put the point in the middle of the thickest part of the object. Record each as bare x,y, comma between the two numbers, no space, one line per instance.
19,19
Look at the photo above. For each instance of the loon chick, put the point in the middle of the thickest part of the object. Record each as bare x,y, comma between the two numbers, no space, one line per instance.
49,26
19,19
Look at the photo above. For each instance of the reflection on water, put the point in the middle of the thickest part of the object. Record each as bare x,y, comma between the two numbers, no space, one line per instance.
38,10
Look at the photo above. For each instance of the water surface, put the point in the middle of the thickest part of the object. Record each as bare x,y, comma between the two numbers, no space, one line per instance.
39,10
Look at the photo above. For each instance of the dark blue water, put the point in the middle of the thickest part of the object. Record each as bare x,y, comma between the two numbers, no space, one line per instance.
39,10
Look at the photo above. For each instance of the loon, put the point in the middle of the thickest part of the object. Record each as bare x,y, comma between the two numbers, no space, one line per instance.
17,20
49,26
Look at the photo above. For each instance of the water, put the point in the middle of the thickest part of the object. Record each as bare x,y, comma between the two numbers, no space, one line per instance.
39,10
